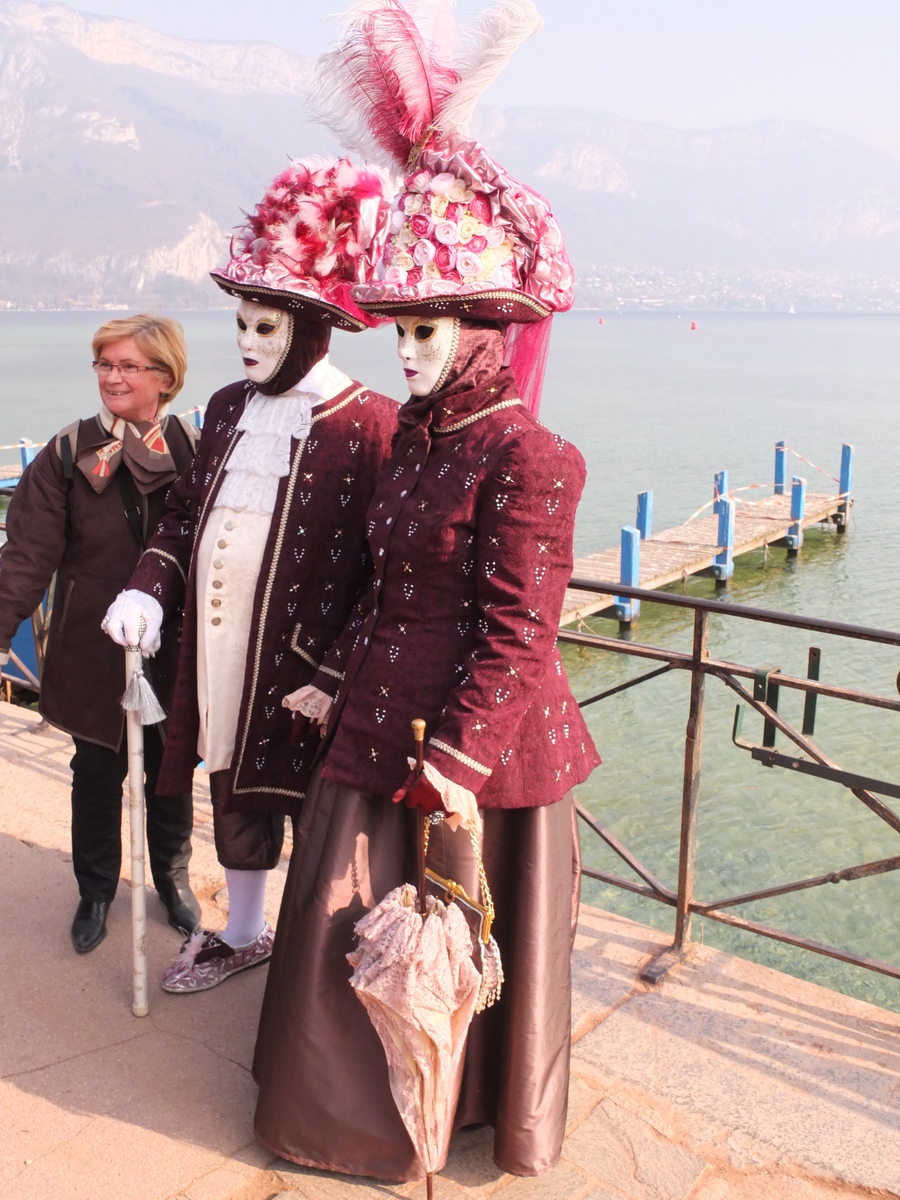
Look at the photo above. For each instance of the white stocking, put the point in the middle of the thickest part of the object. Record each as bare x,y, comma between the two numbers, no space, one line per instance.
246,901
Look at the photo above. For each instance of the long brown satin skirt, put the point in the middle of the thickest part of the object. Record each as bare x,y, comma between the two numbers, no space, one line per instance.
324,1099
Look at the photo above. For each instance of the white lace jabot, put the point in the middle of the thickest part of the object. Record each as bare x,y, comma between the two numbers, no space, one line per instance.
263,455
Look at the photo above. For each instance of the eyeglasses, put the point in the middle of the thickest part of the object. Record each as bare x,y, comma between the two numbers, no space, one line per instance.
104,367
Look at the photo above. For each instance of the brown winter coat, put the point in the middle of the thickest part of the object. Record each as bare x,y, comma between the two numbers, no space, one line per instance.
55,524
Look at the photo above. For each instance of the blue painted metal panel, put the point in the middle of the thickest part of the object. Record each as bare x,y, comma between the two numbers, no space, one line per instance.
794,537
23,646
630,573
720,487
780,468
846,486
645,514
723,566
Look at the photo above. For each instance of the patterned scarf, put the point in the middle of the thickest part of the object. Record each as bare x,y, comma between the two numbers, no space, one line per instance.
143,448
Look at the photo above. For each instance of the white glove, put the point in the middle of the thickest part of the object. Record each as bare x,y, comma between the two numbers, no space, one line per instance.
310,702
123,620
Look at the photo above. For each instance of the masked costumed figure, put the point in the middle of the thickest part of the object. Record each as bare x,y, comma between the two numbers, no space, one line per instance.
264,539
470,530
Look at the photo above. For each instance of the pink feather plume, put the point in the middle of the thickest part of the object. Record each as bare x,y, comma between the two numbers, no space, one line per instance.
382,89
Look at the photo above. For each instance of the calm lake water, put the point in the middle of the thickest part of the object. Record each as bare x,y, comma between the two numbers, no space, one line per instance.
652,404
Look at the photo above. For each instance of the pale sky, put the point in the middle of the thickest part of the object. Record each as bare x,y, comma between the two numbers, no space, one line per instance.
690,63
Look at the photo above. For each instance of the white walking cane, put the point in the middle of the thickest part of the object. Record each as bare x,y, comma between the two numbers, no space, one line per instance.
141,708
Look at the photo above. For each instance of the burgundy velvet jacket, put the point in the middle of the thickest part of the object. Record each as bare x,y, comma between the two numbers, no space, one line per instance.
470,530
315,564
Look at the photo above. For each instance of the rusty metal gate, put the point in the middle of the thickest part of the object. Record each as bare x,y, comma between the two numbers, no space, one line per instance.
756,688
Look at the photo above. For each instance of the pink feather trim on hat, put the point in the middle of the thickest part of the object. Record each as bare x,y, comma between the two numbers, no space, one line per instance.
319,230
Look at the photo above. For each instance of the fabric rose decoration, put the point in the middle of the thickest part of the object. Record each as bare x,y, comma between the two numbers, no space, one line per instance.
447,233
480,209
420,182
442,183
459,192
445,236
468,264
445,258
468,227
439,207
421,225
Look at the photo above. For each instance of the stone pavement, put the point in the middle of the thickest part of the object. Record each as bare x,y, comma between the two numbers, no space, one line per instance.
728,1081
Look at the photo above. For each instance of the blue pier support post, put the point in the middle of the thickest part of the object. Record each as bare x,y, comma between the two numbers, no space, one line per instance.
626,609
26,450
198,415
842,515
644,514
794,537
780,467
723,565
720,488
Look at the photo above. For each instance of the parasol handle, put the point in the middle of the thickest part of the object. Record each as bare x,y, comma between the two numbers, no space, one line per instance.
418,728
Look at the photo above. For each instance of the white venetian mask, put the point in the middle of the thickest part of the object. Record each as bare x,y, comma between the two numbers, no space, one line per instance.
426,346
264,338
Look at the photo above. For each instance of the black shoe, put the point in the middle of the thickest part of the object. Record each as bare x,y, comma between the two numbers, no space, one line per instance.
181,905
89,926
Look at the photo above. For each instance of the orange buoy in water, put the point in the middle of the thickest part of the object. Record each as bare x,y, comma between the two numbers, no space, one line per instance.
600,322
693,324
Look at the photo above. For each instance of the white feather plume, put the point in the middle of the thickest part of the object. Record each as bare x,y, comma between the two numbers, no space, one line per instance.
437,25
486,46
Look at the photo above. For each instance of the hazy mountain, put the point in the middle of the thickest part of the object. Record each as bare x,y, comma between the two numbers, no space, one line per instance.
769,211
126,157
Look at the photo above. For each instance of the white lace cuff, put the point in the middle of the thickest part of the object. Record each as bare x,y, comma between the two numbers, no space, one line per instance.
459,802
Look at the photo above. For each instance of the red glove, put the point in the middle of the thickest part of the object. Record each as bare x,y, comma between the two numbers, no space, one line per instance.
417,792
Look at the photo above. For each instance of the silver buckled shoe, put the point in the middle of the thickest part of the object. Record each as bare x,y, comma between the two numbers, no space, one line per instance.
206,961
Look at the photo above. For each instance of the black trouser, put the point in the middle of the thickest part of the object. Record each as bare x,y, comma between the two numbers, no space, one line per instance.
97,777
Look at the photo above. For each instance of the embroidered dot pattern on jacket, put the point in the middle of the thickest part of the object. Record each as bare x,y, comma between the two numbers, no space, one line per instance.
470,530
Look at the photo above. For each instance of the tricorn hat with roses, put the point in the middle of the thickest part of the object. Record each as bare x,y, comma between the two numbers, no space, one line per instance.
319,230
466,239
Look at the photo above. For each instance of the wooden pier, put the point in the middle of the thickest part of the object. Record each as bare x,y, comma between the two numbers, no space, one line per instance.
707,543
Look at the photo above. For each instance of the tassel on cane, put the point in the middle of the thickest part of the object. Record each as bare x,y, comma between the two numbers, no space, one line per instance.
140,697
141,708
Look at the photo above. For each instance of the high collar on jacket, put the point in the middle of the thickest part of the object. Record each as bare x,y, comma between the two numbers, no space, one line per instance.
442,412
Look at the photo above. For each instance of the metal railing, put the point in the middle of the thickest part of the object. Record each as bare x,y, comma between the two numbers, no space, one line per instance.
806,759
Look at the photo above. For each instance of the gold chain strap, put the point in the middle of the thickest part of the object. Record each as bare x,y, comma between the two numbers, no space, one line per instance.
456,891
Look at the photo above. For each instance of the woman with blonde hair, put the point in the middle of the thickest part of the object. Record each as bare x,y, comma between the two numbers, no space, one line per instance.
84,510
